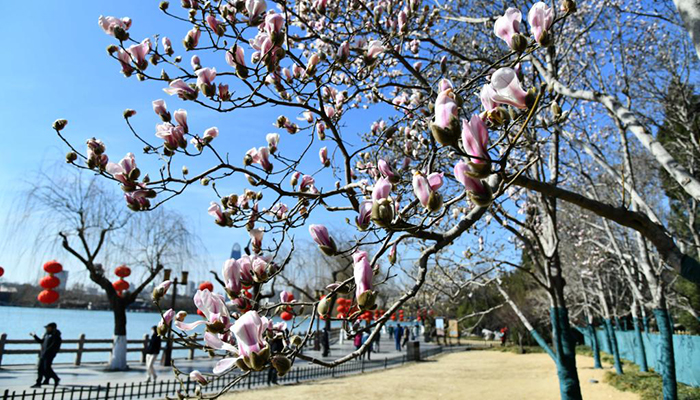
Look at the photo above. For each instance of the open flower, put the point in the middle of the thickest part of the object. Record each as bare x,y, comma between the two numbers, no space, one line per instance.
475,139
387,171
274,23
273,140
479,193
363,274
217,26
320,235
173,136
205,80
507,28
249,330
508,90
115,27
425,189
181,89
125,172
259,156
381,189
540,19
219,217
138,53
255,8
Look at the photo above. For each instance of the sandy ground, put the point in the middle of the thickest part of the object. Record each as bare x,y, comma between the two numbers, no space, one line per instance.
466,375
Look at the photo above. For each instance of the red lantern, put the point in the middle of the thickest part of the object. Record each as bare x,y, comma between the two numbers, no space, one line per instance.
2,271
49,282
393,317
206,285
53,267
120,285
286,316
122,271
47,296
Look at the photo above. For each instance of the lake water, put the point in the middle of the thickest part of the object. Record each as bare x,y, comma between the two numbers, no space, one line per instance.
17,322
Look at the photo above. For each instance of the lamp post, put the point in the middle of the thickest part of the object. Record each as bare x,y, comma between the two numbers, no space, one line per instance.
167,359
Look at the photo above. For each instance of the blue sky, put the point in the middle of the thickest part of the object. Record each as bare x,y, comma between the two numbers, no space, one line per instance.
58,68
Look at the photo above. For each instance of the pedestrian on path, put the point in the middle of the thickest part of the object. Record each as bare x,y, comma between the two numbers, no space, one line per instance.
406,336
50,345
152,351
397,336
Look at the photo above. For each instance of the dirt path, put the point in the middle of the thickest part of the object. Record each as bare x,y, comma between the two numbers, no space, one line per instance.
466,375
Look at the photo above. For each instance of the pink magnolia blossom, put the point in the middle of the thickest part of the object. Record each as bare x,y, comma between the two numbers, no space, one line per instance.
446,109
108,24
295,179
138,53
486,97
198,377
95,153
249,330
231,274
138,200
166,319
224,94
125,61
343,52
540,19
319,233
256,237
274,23
375,49
508,25
424,187
217,26
387,171
323,156
279,210
273,140
507,87
181,119
181,89
236,57
362,271
213,307
216,212
475,138
123,172
381,189
255,8
307,184
205,80
286,297
211,133
167,46
462,174
246,265
161,109
173,136
195,62
191,40
401,21
364,217
260,156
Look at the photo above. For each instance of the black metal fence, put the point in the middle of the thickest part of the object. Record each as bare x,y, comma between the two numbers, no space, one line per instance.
161,389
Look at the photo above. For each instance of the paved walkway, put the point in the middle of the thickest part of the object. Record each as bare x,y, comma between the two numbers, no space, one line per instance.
17,378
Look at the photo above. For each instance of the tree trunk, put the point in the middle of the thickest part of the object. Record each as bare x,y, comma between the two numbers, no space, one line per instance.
641,351
595,347
612,342
665,357
569,386
117,361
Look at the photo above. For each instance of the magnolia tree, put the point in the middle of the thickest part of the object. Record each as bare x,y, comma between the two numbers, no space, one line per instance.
472,110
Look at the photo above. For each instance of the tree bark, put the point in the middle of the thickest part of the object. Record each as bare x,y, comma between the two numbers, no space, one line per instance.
117,360
689,11
666,358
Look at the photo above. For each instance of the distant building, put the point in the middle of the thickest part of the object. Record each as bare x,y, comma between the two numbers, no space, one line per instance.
63,277
191,288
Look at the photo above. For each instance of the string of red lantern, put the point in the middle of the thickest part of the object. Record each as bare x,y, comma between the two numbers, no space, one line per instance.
50,282
120,285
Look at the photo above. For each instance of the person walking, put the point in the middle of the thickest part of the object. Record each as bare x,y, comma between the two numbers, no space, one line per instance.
406,336
50,345
397,336
276,346
152,351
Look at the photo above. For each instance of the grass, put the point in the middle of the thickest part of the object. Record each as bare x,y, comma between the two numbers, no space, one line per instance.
514,348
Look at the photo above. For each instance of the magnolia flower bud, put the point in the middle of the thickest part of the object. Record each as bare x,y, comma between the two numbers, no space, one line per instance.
324,306
163,5
128,113
555,109
205,181
568,6
71,157
382,213
519,42
59,124
367,300
282,364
